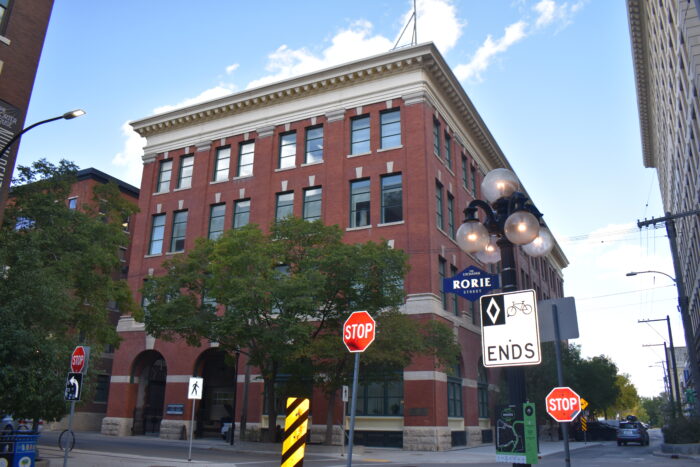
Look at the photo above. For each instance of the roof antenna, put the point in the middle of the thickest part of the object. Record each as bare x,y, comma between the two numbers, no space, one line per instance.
414,37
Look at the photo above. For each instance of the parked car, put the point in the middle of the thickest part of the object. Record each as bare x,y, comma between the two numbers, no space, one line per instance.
632,431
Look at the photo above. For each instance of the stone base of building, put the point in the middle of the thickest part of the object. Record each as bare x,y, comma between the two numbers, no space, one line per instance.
174,429
116,426
427,438
318,434
82,421
474,436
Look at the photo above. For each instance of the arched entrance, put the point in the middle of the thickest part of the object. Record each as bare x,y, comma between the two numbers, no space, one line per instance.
149,371
217,406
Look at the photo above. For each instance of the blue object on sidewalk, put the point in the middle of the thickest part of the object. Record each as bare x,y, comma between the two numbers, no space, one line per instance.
18,450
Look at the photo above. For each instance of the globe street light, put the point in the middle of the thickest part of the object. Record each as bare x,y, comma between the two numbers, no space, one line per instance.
510,218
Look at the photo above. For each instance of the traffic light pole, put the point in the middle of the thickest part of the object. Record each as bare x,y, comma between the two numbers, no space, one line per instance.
560,380
353,406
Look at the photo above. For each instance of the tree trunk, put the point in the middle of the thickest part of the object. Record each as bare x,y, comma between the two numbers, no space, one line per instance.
244,409
329,418
271,406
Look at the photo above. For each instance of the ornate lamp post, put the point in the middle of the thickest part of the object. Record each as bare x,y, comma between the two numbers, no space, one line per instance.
510,219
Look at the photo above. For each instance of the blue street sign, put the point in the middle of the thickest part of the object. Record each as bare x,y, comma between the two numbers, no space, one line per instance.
471,283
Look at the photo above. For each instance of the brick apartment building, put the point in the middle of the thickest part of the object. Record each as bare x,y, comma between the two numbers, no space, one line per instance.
388,147
23,27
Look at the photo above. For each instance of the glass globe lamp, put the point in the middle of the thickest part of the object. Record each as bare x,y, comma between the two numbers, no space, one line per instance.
541,245
499,183
472,236
521,227
491,254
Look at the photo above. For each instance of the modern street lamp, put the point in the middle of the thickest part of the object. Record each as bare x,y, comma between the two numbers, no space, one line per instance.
510,219
66,116
689,337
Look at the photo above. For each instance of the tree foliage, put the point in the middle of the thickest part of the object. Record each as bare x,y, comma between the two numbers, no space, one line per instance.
57,280
281,298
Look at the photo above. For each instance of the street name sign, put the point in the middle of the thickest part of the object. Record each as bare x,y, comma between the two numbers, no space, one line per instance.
509,329
563,404
471,283
195,388
358,331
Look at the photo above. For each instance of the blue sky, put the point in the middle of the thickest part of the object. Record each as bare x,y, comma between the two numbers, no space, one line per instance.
553,81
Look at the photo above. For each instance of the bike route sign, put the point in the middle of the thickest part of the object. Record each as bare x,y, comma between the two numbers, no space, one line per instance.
516,434
510,333
471,283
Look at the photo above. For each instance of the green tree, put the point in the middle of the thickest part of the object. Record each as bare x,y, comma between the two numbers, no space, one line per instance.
56,284
281,297
658,409
627,401
597,379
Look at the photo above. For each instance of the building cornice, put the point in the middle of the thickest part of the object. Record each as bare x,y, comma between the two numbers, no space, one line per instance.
640,58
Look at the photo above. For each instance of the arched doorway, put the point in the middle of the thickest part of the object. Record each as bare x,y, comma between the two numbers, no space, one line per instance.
217,406
149,371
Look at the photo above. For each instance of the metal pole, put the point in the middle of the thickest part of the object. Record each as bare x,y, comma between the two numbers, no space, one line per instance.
189,453
670,382
683,307
70,430
560,379
235,396
675,367
353,405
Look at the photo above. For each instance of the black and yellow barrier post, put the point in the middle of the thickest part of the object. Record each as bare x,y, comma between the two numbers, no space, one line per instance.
295,426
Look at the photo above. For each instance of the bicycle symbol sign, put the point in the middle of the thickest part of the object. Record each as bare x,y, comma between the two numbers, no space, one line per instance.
510,329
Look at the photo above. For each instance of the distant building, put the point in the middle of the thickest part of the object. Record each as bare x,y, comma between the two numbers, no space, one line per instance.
23,27
387,147
666,51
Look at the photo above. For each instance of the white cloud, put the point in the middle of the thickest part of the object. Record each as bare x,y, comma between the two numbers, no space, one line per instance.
550,12
437,22
231,68
488,50
212,93
130,156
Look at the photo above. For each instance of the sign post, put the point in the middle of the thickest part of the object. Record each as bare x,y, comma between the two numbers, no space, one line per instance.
74,385
194,392
358,333
564,405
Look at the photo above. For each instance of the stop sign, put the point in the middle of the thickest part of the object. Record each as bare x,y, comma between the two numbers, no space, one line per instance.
358,331
77,360
563,404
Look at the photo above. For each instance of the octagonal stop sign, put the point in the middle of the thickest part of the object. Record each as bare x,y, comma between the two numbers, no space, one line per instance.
77,359
358,331
563,404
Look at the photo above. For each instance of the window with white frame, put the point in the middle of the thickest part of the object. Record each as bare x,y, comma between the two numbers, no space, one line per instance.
246,152
221,164
285,205
177,238
390,129
314,145
288,150
359,135
312,203
165,172
359,203
184,180
155,246
216,221
392,199
241,213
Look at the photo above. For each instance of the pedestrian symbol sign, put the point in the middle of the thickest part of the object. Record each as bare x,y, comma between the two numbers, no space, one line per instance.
195,388
510,329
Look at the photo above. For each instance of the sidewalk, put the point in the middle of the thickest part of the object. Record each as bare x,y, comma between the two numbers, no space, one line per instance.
484,454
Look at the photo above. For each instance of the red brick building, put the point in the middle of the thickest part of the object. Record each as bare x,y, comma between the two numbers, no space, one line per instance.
22,30
388,147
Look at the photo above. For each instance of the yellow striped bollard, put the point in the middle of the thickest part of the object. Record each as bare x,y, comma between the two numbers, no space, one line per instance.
295,426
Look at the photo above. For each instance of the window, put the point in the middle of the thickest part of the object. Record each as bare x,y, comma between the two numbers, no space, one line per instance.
359,203
454,394
5,6
223,157
439,216
450,216
241,213
474,181
101,388
455,297
73,203
312,204
359,135
314,145
380,398
392,202
245,159
448,150
157,231
390,129
186,166
216,221
436,137
288,150
177,239
164,173
482,391
285,205
442,266
465,176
